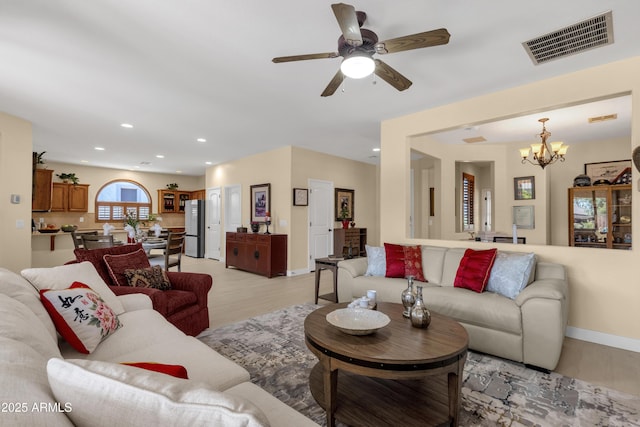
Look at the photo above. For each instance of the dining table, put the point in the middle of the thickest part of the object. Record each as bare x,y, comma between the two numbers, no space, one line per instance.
150,244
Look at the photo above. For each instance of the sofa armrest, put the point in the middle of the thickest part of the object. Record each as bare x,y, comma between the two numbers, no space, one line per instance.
198,283
158,298
135,301
355,267
545,311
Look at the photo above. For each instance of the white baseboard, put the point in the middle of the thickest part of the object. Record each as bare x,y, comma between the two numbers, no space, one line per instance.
297,272
604,339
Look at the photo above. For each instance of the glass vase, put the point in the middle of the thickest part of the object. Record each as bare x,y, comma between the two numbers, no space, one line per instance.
420,314
408,298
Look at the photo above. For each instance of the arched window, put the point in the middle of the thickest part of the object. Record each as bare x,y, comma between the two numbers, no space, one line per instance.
117,198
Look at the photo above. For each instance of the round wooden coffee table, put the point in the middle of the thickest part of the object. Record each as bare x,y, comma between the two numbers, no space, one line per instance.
383,376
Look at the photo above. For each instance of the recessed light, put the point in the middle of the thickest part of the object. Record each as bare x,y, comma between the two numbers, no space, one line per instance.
178,171
99,148
84,161
376,149
160,156
208,163
126,125
201,140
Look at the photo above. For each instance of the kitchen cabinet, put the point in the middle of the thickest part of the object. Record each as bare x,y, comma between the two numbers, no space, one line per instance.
199,195
600,216
41,190
172,201
264,254
69,197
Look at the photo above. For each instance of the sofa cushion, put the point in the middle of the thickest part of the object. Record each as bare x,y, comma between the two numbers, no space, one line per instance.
95,257
152,277
413,262
21,324
177,371
24,382
116,394
63,276
80,315
394,254
474,269
450,264
376,261
117,264
433,263
19,288
510,273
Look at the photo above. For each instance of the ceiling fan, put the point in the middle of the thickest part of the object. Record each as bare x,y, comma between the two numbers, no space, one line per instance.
358,45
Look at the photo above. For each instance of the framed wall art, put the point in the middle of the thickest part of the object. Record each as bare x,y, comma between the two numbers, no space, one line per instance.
344,204
260,202
300,197
523,217
606,170
524,188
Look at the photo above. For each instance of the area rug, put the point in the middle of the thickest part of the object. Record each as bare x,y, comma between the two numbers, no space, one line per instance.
495,392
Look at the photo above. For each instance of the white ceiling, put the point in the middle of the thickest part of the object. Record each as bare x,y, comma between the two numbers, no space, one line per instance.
185,69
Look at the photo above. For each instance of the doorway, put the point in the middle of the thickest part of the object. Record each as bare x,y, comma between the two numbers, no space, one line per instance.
212,243
320,220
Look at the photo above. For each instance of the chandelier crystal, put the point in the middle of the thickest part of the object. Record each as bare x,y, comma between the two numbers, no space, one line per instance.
544,153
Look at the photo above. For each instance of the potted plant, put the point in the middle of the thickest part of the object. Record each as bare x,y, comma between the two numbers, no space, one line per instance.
344,217
172,186
66,177
38,161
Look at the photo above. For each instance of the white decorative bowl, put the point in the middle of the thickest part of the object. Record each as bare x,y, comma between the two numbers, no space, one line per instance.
357,321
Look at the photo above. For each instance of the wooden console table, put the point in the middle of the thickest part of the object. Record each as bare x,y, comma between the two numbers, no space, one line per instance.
264,254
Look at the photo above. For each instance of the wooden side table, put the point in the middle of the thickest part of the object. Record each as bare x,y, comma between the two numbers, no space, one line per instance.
327,264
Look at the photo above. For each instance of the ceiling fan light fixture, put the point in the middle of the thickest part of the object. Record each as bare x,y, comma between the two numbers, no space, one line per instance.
357,66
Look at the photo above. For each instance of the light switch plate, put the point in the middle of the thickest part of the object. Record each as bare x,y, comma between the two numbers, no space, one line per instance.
15,199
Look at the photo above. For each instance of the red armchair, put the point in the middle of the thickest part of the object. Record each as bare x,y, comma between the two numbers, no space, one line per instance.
184,305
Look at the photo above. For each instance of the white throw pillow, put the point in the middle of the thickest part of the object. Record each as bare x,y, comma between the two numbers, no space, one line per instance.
376,261
122,395
62,277
510,273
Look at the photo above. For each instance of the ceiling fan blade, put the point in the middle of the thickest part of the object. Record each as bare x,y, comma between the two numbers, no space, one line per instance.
334,84
305,57
391,76
348,22
414,41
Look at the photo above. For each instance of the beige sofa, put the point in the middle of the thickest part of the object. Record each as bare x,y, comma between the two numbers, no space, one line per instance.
45,382
528,329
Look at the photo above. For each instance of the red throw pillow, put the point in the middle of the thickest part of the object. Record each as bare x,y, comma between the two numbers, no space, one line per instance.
117,264
474,269
96,257
395,260
413,262
177,371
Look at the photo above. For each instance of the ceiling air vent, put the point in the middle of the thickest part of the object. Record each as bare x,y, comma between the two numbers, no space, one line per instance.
588,34
474,139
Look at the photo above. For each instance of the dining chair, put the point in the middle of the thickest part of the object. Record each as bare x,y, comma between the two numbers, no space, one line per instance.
77,237
507,239
96,241
172,252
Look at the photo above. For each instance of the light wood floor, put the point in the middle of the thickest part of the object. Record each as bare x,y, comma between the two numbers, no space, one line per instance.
237,295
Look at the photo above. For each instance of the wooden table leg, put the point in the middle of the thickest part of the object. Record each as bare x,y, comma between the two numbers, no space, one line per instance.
318,269
335,283
455,390
330,384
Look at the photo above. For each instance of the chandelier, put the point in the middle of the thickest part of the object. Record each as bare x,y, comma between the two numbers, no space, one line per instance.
544,155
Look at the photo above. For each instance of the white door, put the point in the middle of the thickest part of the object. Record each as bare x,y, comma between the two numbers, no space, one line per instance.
212,245
321,220
232,207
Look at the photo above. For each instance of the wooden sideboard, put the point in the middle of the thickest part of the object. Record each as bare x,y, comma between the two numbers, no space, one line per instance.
264,254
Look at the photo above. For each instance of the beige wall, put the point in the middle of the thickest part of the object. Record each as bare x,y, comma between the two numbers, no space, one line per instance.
15,174
603,284
289,167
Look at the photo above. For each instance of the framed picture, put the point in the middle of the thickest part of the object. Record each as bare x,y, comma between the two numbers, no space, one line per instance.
344,203
260,202
300,197
523,216
606,170
524,188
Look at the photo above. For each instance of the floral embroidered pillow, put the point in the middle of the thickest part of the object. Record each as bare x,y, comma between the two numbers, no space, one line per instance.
413,262
153,277
80,316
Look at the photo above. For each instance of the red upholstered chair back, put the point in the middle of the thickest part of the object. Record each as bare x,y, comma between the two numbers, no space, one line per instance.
95,256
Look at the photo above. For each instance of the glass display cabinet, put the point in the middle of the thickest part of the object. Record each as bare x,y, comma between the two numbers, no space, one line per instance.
600,216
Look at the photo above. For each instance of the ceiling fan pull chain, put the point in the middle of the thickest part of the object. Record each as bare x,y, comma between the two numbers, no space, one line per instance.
374,80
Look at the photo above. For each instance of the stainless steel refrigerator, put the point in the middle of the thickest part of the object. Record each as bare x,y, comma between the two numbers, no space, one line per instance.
194,222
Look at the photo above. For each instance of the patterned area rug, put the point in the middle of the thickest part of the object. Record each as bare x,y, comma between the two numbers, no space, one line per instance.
495,392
